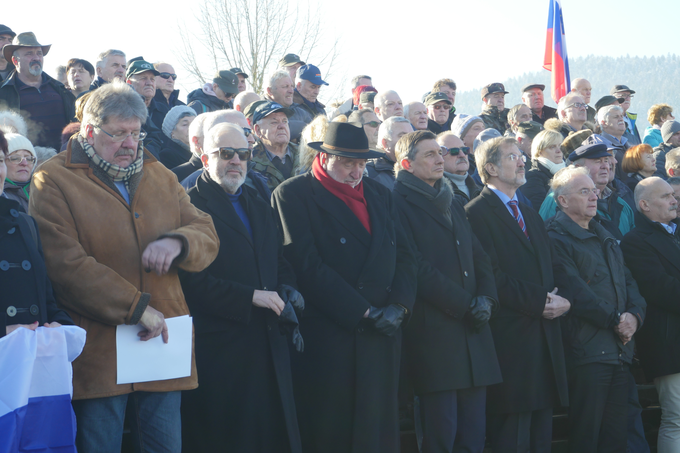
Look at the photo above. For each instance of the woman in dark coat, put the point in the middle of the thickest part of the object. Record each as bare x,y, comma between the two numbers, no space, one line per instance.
547,159
638,163
27,299
176,124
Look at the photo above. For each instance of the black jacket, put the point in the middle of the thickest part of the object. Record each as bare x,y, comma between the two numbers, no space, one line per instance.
660,156
382,171
26,290
346,380
653,257
173,154
202,102
437,128
548,112
452,269
538,184
241,355
173,102
529,346
98,82
472,187
187,169
602,287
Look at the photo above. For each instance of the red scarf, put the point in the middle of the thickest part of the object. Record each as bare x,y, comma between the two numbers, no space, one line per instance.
353,197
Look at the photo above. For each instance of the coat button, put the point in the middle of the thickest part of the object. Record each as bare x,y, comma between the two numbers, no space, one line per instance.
361,285
360,329
12,230
14,213
388,289
343,240
392,242
34,310
264,288
457,242
26,265
136,215
4,265
11,311
465,273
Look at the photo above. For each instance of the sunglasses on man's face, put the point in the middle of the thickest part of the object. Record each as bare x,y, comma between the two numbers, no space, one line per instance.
227,153
455,151
167,75
373,123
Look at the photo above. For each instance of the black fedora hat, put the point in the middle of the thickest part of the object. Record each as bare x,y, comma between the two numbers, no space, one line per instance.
346,140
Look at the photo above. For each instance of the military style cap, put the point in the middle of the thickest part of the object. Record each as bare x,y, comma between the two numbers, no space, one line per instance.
289,60
249,111
493,88
529,128
433,98
239,71
592,147
605,101
139,66
540,86
618,88
268,108
227,81
367,96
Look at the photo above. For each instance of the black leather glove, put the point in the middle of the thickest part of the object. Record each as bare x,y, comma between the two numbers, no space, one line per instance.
289,294
289,325
481,308
387,320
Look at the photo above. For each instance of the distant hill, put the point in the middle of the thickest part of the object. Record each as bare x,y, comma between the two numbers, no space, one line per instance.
655,80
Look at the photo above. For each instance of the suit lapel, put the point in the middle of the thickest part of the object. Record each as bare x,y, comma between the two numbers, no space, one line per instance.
341,212
663,245
504,216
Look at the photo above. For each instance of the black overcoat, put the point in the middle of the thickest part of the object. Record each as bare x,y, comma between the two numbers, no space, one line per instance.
529,346
653,257
346,380
244,401
442,350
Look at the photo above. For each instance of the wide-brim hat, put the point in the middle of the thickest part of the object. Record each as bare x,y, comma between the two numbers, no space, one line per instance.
26,39
346,140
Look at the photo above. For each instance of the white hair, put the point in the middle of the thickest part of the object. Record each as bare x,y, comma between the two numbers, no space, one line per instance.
101,59
276,76
385,130
562,180
212,136
604,112
379,99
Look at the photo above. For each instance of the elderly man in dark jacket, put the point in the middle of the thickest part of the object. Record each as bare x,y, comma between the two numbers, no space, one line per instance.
38,96
357,272
652,252
457,166
245,399
455,298
607,310
532,294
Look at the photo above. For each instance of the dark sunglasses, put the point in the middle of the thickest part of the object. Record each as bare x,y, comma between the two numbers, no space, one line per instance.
227,153
455,151
167,75
373,123
247,131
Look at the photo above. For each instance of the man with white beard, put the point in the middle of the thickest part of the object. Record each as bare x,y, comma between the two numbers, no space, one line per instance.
35,94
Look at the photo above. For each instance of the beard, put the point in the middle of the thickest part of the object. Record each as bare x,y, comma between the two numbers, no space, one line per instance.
35,69
229,182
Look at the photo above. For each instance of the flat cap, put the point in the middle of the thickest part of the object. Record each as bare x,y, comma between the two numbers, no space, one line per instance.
540,86
529,128
433,98
592,147
493,88
618,88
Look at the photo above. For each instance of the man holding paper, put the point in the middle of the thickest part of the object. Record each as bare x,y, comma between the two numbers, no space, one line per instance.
115,227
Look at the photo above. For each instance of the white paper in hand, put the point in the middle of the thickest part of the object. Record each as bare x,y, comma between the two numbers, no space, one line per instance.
153,360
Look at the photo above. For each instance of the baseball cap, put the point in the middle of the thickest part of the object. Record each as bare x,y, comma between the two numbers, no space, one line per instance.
311,73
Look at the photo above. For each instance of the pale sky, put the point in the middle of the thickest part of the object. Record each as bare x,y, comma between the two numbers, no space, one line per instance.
404,46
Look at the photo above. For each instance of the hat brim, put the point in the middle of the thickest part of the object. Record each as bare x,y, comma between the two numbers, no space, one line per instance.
155,73
9,49
537,85
227,88
352,154
439,100
596,151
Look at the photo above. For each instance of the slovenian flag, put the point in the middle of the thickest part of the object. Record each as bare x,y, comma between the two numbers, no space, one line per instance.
556,52
36,389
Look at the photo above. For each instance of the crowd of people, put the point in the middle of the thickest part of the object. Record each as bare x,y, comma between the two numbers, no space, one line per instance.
349,267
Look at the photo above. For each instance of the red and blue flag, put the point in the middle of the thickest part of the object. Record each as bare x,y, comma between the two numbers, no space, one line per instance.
556,52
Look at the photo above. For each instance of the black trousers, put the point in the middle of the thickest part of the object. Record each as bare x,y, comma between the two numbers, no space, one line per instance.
453,421
521,432
598,408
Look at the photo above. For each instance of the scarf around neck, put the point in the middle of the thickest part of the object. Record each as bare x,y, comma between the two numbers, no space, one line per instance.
353,197
440,195
550,165
117,174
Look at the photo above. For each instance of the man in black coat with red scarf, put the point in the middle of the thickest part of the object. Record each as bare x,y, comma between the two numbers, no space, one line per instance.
357,274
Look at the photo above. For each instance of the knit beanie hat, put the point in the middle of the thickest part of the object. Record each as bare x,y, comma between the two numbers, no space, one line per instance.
668,129
16,142
486,134
462,124
174,115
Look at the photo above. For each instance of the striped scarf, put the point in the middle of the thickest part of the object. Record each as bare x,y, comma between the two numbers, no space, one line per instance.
117,174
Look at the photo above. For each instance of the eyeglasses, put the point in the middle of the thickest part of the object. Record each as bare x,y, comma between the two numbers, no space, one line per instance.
624,96
373,123
20,159
247,131
167,75
137,135
514,157
586,192
455,151
227,153
578,105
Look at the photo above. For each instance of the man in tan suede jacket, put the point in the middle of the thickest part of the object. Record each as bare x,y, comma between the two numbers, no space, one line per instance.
116,226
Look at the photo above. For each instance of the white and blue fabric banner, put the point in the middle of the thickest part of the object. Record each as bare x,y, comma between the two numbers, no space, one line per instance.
36,386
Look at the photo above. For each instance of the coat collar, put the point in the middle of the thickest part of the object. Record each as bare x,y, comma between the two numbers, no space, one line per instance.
659,238
562,223
421,202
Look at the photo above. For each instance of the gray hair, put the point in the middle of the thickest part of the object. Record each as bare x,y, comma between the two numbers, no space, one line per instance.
101,59
565,101
562,179
673,160
12,122
214,133
603,113
489,152
512,114
60,70
221,116
385,130
357,116
379,99
407,107
355,80
113,100
196,130
276,76
406,146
